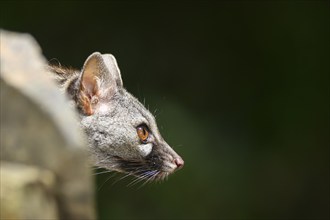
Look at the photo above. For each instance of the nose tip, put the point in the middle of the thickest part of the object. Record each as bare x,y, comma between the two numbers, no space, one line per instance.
179,162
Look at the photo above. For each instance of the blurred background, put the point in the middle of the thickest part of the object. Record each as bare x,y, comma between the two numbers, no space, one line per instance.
240,90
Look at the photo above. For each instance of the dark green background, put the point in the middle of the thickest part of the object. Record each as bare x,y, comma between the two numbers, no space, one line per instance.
241,91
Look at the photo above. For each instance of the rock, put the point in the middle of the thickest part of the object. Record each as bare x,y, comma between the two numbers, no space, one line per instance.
27,192
38,128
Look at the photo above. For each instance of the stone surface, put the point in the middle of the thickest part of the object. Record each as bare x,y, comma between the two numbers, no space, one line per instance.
21,183
39,129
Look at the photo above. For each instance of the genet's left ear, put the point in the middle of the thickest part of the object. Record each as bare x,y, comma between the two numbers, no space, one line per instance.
100,79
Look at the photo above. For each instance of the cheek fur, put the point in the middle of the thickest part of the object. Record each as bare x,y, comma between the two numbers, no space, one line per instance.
145,149
103,108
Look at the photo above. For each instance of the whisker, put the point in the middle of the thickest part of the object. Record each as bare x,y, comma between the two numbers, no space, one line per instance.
139,179
102,172
128,174
106,181
135,181
95,168
152,177
156,113
145,176
56,60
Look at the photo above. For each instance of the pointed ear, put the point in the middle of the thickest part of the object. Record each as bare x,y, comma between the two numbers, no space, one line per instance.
100,79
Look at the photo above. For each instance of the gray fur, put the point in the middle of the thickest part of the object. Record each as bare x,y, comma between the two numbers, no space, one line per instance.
111,127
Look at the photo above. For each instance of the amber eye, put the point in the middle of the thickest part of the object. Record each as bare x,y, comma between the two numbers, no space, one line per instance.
143,133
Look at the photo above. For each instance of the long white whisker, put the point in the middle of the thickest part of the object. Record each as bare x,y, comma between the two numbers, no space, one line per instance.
95,168
139,179
102,172
148,175
106,181
128,174
152,177
135,181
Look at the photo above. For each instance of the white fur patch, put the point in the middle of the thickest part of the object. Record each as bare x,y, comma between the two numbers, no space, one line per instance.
145,149
103,108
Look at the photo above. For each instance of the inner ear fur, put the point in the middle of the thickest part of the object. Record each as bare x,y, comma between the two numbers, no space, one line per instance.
100,77
89,94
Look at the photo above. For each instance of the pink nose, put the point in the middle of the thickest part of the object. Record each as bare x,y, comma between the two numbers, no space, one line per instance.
179,162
